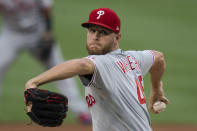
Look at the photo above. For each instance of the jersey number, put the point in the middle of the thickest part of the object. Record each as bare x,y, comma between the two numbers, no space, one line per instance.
140,90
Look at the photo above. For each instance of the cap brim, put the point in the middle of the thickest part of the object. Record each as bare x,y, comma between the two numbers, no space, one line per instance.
87,24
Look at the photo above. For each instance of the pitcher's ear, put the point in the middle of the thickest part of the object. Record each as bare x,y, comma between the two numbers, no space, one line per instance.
118,36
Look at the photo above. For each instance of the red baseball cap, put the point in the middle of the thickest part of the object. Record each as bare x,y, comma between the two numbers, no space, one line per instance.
104,17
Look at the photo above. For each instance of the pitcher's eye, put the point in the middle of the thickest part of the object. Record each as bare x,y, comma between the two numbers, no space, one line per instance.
103,32
92,30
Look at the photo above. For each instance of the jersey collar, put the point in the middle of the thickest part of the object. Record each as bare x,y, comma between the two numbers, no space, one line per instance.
117,51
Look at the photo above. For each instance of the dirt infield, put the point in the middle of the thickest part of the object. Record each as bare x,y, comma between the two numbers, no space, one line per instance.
78,127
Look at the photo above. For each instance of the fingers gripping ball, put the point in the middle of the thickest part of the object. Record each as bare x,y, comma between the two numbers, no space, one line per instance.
159,106
46,108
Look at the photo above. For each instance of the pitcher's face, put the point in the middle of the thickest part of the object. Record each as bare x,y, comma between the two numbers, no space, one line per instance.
100,40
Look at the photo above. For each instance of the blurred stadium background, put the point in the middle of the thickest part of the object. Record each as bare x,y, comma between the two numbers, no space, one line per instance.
165,25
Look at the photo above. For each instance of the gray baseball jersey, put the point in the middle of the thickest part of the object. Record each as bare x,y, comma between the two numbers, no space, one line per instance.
115,92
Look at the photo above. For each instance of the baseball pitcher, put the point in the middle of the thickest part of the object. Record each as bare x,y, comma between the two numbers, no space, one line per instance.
113,77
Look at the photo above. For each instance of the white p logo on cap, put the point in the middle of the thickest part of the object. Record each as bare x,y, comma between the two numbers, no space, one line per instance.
100,12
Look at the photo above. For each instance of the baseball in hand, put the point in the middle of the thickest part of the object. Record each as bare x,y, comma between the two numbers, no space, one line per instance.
159,106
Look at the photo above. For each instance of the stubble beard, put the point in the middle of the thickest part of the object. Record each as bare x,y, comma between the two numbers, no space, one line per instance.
102,51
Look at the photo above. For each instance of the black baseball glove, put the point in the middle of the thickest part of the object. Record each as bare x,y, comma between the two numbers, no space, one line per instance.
45,108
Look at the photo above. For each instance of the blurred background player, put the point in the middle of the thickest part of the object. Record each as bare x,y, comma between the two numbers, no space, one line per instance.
26,25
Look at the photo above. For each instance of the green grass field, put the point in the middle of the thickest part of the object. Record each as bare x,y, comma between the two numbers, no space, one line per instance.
165,25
